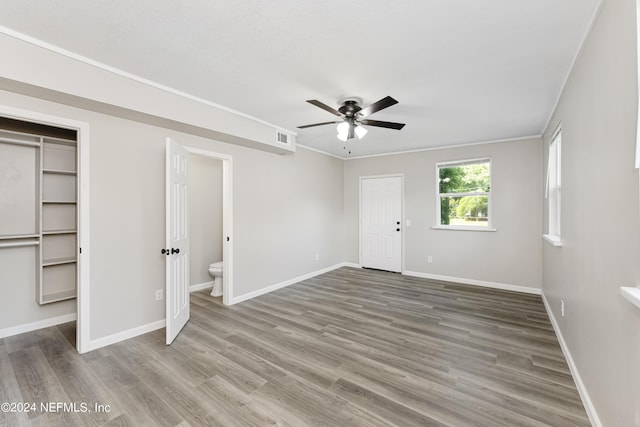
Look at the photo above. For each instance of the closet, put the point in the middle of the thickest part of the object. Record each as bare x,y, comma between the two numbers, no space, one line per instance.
38,203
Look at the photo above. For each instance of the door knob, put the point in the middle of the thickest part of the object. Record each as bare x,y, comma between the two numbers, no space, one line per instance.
165,252
398,222
175,251
397,229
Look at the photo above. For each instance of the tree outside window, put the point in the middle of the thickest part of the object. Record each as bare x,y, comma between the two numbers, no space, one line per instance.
464,190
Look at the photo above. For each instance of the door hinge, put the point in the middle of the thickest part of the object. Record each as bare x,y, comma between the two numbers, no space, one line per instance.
80,250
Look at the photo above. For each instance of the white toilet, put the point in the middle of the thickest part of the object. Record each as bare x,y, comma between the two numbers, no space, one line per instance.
215,270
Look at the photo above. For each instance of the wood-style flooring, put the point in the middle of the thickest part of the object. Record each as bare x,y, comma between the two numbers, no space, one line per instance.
348,348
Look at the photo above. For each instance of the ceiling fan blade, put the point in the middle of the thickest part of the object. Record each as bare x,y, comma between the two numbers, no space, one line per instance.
324,107
377,106
380,124
318,124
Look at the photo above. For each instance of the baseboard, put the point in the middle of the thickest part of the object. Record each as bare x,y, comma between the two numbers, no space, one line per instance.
125,335
284,284
494,285
582,389
351,264
33,326
200,286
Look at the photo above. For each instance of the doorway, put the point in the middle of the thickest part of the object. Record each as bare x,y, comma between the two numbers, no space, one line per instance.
177,233
74,235
381,218
205,223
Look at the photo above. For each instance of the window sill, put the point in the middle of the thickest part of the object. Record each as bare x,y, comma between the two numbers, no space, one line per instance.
554,240
461,228
632,295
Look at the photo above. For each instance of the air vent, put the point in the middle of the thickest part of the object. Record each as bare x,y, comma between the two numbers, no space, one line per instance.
283,138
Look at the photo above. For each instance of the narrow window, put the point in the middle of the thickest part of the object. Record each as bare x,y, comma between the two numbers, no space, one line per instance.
464,194
554,186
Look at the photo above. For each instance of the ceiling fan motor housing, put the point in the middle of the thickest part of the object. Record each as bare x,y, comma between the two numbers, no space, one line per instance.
350,108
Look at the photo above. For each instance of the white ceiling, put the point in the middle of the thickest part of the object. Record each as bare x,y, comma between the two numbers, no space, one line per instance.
463,71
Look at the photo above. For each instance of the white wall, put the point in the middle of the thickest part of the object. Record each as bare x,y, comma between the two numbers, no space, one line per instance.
287,208
600,217
509,256
205,216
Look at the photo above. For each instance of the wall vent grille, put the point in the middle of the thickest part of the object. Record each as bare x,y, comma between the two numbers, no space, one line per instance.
283,138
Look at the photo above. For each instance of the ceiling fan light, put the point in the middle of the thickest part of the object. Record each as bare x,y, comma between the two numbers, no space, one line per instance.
343,127
360,131
343,136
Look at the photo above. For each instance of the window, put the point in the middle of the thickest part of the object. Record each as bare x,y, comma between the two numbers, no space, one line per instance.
464,194
553,192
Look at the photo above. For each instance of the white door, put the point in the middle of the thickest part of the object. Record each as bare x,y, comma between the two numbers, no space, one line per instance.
380,218
177,240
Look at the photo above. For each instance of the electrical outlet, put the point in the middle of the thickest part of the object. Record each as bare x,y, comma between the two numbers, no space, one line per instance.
562,307
317,257
159,295
430,259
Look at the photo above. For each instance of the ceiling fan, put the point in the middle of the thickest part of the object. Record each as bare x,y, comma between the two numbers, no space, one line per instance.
354,116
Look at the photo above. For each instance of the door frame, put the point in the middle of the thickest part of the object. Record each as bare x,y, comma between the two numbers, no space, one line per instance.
83,300
227,218
402,219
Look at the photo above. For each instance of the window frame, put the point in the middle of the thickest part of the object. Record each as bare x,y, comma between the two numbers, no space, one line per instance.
553,190
439,196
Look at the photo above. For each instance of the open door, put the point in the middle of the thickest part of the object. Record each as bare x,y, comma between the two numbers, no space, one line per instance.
177,239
